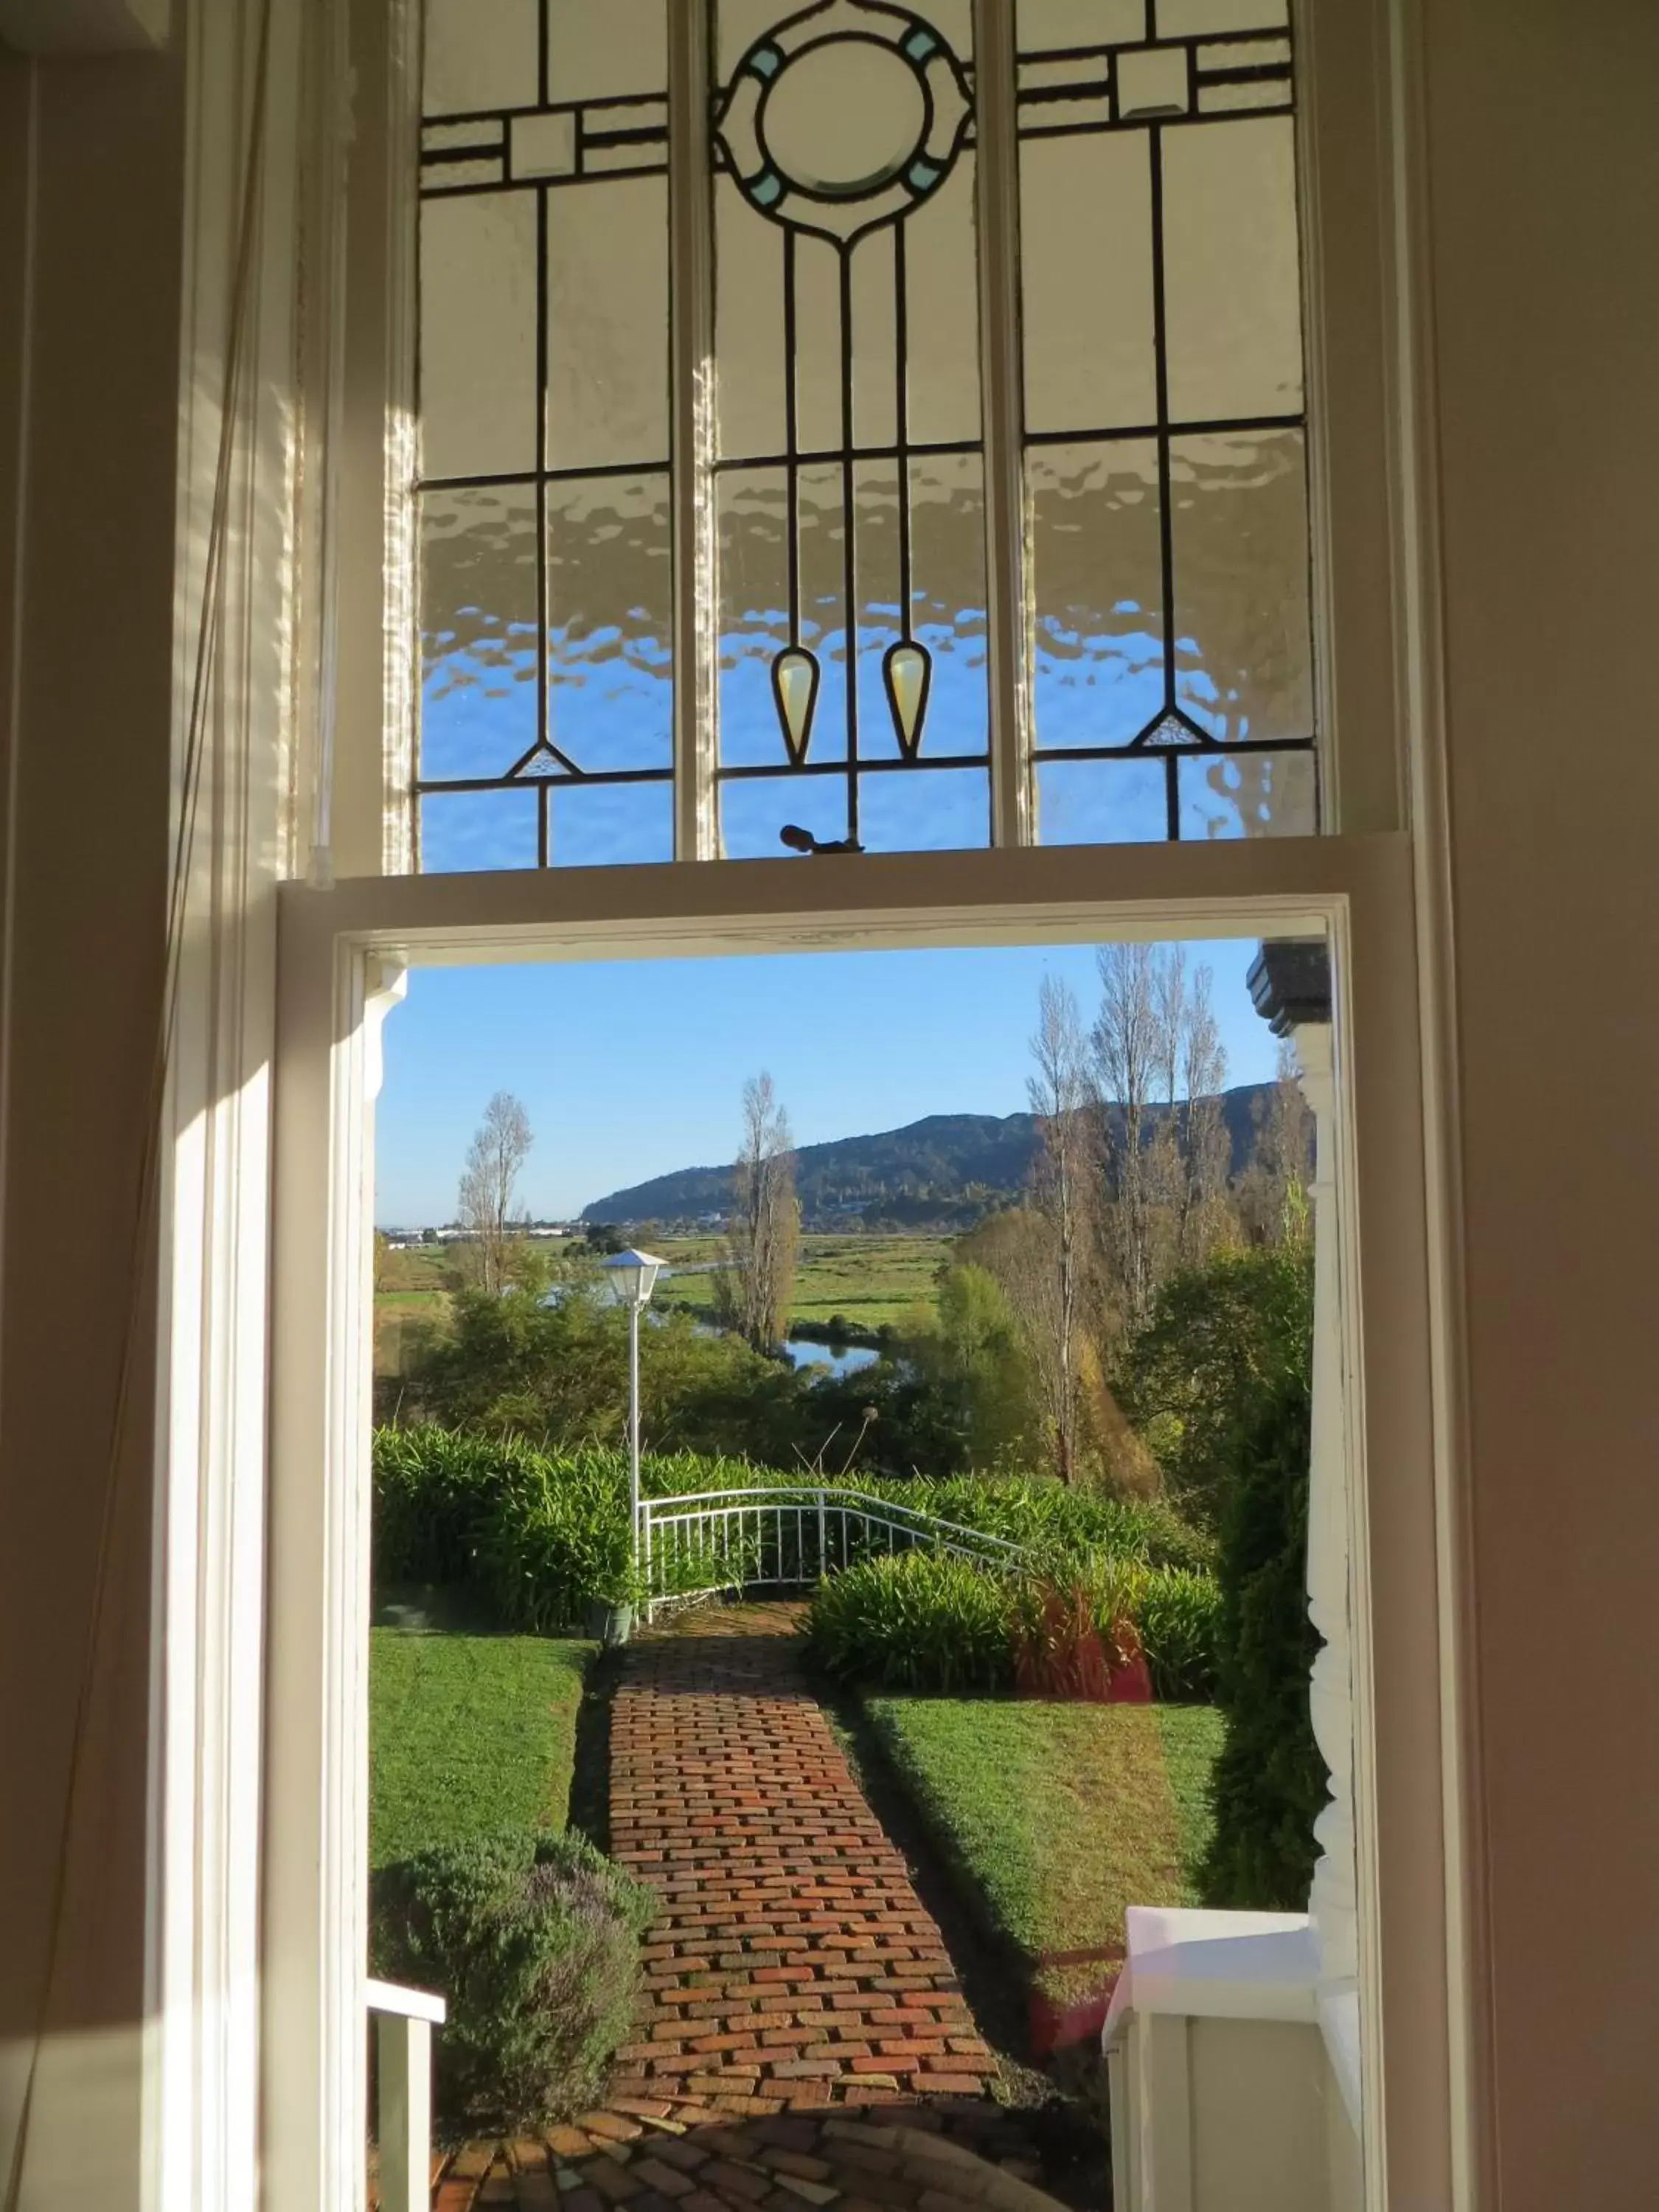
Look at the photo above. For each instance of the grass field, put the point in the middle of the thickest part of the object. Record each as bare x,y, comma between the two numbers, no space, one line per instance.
870,1280
468,1734
1051,1817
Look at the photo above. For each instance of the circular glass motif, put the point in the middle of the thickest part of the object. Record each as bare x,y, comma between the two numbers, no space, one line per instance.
844,117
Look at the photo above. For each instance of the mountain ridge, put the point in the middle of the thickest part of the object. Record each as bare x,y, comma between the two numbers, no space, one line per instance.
951,1169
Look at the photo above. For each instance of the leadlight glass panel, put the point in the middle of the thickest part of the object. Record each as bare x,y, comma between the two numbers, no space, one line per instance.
545,496
1171,648
851,697
835,489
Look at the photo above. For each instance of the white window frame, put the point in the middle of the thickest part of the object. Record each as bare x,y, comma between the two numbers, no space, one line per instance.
258,1952
345,950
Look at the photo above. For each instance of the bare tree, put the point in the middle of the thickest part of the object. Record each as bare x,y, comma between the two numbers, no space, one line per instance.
1065,1182
490,1184
756,1283
1274,1192
1208,1147
1129,1054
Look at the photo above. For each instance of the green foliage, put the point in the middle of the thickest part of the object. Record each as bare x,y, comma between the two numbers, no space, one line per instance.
535,1535
533,1939
1178,1614
971,1355
1270,1782
1222,1339
919,1620
555,1372
927,1621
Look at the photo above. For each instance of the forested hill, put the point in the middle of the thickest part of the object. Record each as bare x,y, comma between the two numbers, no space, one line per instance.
947,1169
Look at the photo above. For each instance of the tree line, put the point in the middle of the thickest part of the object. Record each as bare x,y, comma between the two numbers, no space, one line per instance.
1103,1329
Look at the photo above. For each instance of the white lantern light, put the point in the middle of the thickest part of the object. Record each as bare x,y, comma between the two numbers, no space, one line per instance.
634,1277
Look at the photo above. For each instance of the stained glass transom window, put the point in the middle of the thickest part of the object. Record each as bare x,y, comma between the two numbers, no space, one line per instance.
823,669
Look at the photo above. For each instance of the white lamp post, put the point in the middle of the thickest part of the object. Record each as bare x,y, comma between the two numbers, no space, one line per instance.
633,1278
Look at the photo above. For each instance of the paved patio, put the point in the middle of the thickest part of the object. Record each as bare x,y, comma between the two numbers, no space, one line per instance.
780,2164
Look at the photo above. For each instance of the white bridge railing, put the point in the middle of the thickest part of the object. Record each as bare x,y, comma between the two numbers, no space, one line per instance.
786,1537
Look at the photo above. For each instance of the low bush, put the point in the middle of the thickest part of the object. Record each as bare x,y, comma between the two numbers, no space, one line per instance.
930,1622
534,1939
920,1620
1178,1615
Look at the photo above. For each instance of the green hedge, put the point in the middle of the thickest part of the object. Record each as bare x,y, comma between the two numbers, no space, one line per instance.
929,1622
1270,1781
536,1536
533,1939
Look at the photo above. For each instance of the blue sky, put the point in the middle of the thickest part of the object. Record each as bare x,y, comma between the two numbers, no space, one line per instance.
632,1069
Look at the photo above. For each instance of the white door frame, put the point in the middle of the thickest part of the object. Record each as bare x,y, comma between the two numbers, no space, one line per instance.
342,953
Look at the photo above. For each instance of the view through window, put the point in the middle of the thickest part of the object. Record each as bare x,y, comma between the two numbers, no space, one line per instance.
960,1601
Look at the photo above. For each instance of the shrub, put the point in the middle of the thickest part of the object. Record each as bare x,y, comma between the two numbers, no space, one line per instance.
434,1490
534,1939
1060,1651
930,1622
920,1620
1221,1342
1178,1614
1270,1779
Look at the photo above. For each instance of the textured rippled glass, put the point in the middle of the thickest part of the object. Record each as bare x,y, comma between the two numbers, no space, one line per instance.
945,810
606,825
1046,23
462,831
752,522
1097,591
1248,795
607,325
942,267
478,335
947,607
610,611
1086,274
942,310
751,397
947,600
1243,641
738,23
1180,19
604,49
1103,802
1232,282
478,630
478,54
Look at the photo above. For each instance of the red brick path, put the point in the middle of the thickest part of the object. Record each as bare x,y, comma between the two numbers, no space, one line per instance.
793,1964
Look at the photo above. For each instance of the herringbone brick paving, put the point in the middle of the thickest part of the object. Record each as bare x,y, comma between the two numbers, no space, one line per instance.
794,1963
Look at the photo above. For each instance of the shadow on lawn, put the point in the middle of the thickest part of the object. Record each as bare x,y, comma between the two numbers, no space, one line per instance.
1063,2109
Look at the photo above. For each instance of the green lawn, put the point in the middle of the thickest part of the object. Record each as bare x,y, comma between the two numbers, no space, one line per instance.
468,1734
1051,1817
